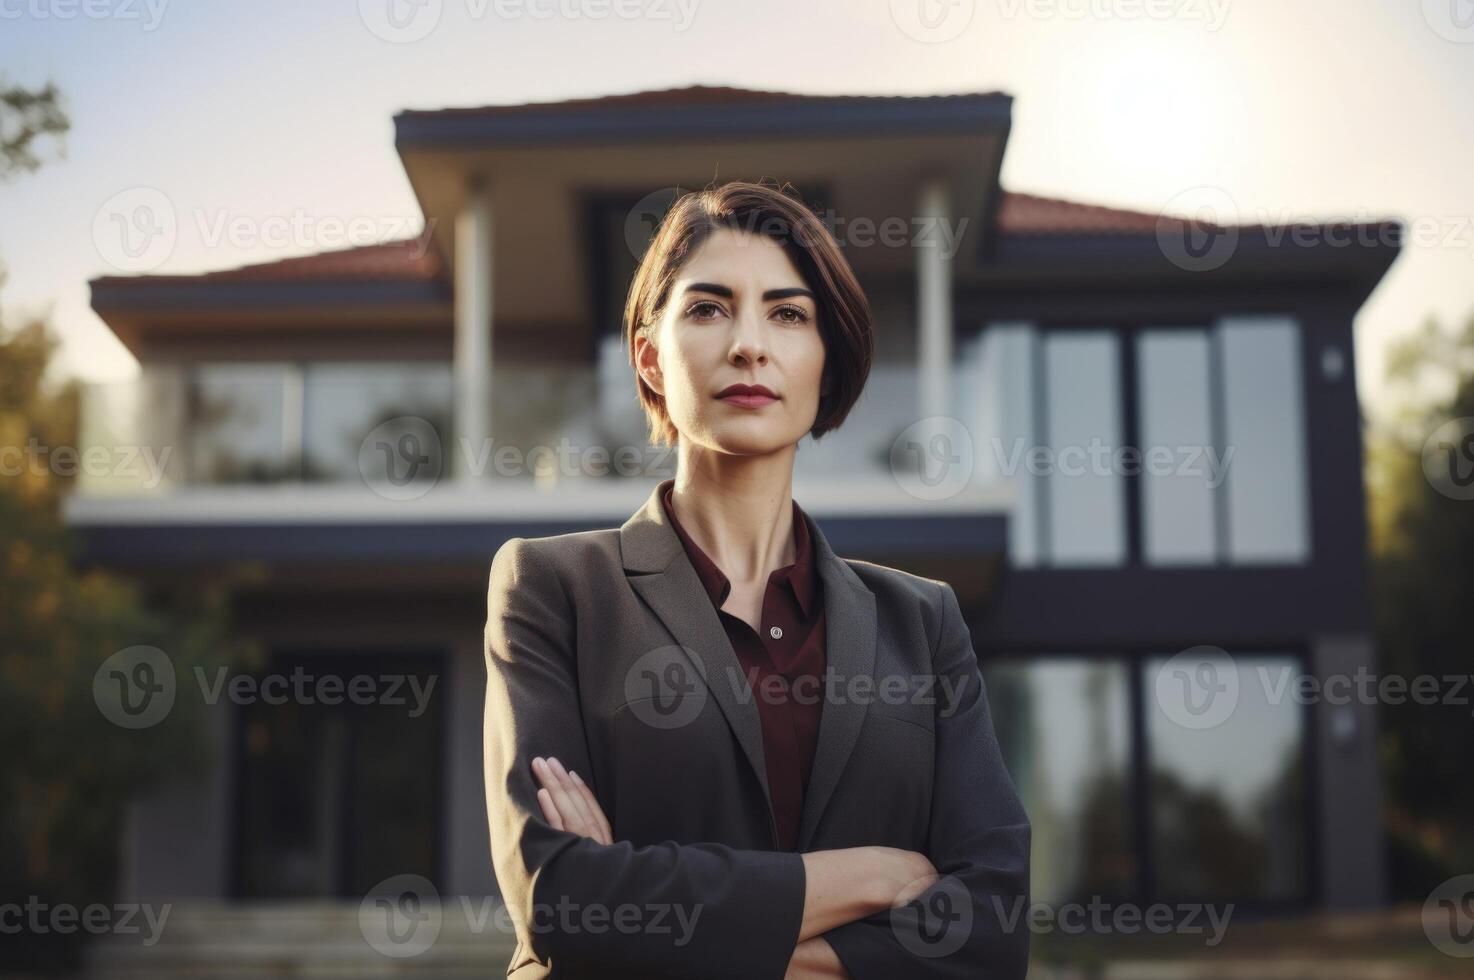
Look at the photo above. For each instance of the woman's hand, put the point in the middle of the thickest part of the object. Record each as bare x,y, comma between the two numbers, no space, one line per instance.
903,874
568,804
815,959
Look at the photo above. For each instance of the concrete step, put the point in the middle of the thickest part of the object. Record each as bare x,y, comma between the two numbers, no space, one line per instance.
464,937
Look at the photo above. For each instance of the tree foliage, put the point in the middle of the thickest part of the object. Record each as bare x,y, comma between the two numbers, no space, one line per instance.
1423,564
67,772
26,117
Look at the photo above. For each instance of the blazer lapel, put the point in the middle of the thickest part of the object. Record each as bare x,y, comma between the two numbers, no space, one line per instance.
661,573
849,652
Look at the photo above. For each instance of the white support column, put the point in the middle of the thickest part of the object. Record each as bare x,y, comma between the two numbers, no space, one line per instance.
933,302
473,323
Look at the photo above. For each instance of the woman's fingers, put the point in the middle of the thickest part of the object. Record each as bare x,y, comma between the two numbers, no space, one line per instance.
560,797
575,798
550,810
607,835
561,791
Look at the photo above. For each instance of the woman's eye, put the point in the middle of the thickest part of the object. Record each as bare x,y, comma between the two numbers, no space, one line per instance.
792,314
703,309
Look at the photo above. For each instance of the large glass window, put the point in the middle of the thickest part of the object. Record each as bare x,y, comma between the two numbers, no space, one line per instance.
1227,801
241,427
1086,511
345,402
1199,807
1264,427
862,445
1213,414
1064,727
1179,469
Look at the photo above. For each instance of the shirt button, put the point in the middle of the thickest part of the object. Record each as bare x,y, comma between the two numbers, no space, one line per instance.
776,632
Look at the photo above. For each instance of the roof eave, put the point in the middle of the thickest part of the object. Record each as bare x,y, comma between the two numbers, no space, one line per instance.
1256,255
425,129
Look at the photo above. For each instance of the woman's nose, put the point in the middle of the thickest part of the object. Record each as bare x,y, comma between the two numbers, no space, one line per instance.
749,339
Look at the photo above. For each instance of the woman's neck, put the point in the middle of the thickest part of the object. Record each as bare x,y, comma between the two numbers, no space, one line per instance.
738,509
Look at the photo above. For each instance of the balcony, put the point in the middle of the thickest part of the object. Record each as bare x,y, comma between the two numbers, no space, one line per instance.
295,448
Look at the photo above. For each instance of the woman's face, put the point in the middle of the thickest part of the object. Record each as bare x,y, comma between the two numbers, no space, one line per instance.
739,313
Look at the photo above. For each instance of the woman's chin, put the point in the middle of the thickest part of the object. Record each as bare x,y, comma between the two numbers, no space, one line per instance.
749,440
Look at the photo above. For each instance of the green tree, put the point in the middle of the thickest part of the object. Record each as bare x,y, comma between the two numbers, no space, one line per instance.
27,116
66,771
1422,542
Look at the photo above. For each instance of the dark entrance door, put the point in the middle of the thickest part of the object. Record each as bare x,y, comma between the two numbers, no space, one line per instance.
339,773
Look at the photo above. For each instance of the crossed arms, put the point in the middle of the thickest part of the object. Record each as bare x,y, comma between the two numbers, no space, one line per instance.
763,914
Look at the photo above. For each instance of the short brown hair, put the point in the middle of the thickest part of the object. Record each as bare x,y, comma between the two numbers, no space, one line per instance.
762,208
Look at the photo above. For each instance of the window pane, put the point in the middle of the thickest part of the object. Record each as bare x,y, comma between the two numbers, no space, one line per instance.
1264,429
237,424
345,402
862,446
1178,473
1086,510
1228,807
994,387
1063,726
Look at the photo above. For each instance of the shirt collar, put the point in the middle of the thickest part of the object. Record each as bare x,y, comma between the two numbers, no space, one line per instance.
799,575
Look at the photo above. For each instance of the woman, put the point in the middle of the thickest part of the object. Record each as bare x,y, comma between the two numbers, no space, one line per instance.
847,765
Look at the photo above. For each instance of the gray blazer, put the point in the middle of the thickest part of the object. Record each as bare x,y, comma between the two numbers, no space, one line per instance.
603,650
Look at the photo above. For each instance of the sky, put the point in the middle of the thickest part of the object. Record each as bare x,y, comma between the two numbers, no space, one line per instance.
276,115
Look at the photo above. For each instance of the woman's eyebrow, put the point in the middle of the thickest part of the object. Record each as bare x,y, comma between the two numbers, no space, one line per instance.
720,290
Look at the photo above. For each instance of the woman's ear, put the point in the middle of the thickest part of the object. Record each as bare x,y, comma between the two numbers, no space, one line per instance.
648,360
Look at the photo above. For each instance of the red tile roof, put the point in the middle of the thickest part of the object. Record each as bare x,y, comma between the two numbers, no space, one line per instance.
402,260
1030,214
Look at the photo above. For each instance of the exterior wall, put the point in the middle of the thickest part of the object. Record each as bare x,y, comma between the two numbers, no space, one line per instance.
1347,819
467,868
177,844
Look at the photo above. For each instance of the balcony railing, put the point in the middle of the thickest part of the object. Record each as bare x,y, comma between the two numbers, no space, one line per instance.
242,425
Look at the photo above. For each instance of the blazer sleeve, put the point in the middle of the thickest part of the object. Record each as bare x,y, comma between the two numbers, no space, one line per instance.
978,840
700,909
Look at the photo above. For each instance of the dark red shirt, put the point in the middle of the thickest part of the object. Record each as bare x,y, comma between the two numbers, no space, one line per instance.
790,645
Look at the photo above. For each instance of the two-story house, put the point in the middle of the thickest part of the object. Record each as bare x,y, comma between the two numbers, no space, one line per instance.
1136,436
